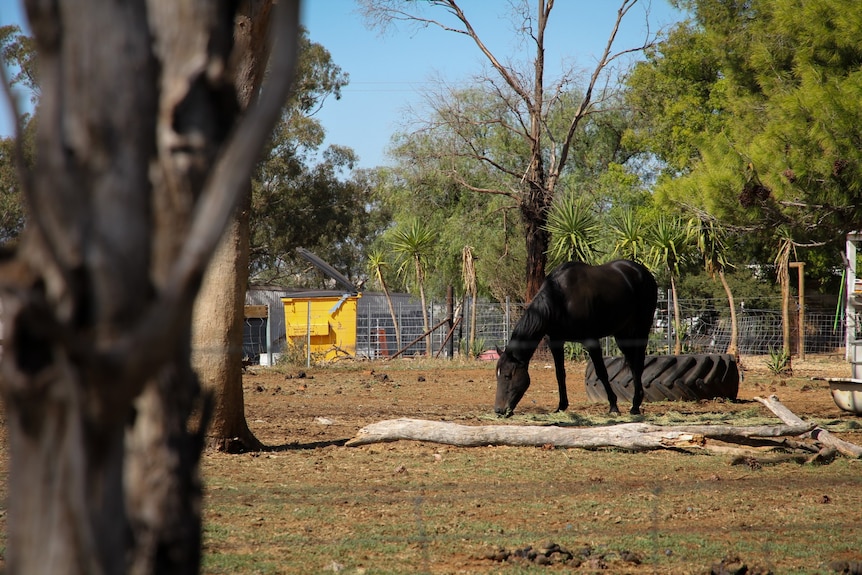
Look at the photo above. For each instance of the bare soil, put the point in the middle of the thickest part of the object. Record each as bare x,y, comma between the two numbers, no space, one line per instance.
312,505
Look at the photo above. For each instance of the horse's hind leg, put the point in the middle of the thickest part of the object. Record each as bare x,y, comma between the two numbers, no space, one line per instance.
598,360
635,356
560,370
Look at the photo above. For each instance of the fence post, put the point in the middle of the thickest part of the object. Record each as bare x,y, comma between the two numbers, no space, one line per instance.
450,306
308,336
429,341
669,322
801,323
506,320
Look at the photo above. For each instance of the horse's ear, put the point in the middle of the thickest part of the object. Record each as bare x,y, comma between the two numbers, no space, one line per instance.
499,350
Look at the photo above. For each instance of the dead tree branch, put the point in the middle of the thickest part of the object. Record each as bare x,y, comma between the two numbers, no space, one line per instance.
817,433
628,436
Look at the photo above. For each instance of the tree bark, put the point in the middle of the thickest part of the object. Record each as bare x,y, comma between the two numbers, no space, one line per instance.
218,336
629,436
140,162
537,240
732,347
218,313
818,433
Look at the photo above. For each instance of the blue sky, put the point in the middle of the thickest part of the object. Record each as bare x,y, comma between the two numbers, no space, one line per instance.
389,72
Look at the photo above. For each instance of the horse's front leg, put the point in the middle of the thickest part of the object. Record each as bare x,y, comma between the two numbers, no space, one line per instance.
560,371
595,351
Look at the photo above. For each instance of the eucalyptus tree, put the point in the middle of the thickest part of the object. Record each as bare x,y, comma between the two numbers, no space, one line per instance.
279,200
141,156
305,195
18,54
538,146
420,183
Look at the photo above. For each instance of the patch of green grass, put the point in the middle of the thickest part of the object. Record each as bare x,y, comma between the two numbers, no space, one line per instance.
231,564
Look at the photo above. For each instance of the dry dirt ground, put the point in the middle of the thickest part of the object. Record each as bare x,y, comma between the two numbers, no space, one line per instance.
313,505
407,507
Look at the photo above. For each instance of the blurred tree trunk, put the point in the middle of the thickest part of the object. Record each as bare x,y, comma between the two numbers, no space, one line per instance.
219,310
140,161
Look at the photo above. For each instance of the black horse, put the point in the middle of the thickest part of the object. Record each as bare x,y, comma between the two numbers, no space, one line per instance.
583,303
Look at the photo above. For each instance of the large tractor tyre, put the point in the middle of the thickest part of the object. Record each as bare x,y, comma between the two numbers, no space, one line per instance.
669,377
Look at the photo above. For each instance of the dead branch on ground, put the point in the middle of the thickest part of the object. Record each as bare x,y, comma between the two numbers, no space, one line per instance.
628,436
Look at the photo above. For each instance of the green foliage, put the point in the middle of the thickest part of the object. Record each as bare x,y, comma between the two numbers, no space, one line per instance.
473,349
18,54
778,362
300,197
574,231
574,351
629,229
676,98
12,215
413,245
756,292
752,108
670,244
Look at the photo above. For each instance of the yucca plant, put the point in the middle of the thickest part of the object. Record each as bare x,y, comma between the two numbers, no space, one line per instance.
630,234
670,244
710,239
778,362
574,231
413,245
376,264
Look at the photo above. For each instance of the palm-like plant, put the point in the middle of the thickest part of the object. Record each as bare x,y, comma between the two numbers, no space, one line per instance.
710,239
574,231
413,245
670,243
376,264
629,231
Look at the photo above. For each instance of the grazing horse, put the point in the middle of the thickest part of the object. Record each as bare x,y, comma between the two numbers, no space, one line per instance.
583,303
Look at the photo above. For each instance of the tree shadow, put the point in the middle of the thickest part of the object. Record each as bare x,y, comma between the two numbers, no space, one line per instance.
306,446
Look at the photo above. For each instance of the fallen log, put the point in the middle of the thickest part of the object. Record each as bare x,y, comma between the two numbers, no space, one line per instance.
628,436
817,433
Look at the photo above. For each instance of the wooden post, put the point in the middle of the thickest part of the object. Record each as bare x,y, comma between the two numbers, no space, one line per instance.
450,308
801,335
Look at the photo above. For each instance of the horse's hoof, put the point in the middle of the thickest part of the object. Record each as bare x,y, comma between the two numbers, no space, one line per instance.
635,411
614,410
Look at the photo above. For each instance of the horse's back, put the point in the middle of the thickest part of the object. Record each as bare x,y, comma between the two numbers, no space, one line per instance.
619,275
604,299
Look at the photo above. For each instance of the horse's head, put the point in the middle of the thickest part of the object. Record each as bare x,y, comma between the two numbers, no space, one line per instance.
512,382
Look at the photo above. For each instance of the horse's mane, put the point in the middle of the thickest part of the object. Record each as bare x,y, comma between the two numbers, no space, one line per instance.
530,329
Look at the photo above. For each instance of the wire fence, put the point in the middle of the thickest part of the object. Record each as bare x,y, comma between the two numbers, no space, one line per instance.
704,327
